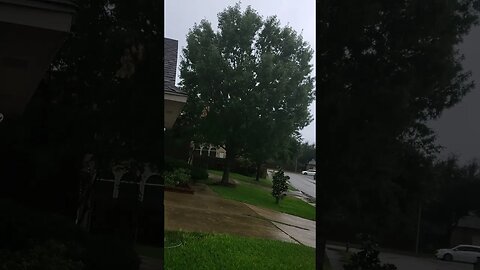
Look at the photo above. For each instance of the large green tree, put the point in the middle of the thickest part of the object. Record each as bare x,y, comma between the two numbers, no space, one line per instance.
249,83
384,69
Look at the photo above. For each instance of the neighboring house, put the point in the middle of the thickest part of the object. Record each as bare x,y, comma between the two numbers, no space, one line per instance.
311,165
467,231
31,32
174,97
210,151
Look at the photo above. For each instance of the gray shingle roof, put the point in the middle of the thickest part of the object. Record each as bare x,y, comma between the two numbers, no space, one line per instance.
170,65
56,5
470,221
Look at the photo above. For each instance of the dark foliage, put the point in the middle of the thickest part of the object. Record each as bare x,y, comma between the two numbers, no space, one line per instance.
198,173
279,185
42,240
367,258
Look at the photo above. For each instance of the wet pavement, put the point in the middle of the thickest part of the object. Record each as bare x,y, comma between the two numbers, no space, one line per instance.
335,259
303,183
401,261
302,230
207,212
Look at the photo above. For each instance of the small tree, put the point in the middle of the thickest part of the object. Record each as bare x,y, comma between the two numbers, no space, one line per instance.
279,186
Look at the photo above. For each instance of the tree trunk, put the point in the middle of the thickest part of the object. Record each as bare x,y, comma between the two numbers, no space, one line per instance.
417,241
257,178
322,242
277,199
321,252
226,169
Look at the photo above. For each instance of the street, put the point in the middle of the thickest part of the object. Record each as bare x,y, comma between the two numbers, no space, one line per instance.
402,262
303,183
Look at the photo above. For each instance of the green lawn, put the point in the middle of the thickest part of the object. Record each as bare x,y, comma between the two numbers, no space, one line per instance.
218,251
264,182
256,194
247,179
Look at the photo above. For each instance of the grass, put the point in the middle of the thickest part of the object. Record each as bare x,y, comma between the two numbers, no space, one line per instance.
252,194
264,182
218,251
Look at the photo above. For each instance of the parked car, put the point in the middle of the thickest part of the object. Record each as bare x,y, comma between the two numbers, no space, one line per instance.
461,253
309,172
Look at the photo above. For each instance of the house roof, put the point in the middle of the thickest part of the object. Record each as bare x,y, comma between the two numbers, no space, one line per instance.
170,66
312,162
54,5
470,221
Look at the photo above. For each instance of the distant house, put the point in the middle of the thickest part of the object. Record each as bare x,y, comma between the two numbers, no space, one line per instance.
209,151
174,97
311,165
467,231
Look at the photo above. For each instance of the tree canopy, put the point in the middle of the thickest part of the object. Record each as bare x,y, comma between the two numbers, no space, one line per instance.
102,95
248,83
385,68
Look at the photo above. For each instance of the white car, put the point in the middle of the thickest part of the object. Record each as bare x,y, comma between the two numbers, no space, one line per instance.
309,172
461,253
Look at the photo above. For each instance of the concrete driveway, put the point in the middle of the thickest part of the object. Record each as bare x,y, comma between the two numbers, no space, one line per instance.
207,212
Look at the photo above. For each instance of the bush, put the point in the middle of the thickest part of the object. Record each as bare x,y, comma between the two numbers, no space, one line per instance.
40,240
198,173
177,177
245,167
172,164
108,252
279,185
367,258
50,254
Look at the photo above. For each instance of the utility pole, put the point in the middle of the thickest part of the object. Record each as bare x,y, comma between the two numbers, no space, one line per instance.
417,242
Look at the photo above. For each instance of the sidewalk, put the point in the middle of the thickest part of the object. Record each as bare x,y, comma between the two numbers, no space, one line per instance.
300,229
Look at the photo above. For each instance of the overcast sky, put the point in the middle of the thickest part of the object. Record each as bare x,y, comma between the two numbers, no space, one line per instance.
458,128
180,15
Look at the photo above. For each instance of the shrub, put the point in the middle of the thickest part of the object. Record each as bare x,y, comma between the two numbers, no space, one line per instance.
177,177
279,185
50,254
244,166
367,258
171,164
108,252
34,240
198,173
